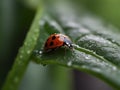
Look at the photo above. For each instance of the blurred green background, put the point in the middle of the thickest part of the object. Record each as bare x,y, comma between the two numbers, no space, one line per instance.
15,19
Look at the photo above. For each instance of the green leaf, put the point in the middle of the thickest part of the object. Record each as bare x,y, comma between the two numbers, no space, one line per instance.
23,58
96,43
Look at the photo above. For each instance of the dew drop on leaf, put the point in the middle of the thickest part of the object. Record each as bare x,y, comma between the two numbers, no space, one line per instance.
86,57
16,79
21,56
28,52
114,68
38,52
69,63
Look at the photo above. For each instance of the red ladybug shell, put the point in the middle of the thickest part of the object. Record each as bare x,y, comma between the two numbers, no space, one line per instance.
55,41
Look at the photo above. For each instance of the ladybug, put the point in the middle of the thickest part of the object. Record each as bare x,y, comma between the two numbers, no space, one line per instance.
55,41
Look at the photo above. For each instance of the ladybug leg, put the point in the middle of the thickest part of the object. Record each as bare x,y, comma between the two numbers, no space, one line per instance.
49,50
64,44
53,49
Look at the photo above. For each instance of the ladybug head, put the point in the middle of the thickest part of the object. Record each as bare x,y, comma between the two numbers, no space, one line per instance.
68,43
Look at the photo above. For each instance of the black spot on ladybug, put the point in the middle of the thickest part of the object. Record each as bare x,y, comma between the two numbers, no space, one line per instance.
53,37
51,43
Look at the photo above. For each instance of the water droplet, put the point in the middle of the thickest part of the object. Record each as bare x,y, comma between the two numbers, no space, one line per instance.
16,79
28,52
87,57
69,63
26,44
83,66
114,68
40,52
97,69
94,52
21,56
